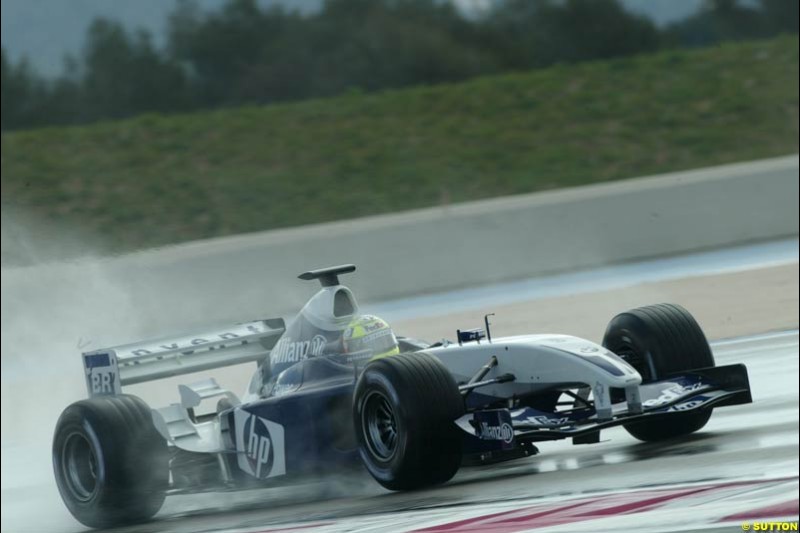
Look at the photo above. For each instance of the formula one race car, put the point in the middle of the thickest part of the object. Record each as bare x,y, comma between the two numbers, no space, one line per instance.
412,417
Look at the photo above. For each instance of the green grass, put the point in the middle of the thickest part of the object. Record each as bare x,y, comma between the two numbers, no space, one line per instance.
154,180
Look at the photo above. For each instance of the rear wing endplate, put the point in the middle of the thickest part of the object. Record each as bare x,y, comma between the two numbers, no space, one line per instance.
107,370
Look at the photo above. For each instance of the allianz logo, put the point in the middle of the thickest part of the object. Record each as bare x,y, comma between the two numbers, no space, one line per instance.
503,432
289,351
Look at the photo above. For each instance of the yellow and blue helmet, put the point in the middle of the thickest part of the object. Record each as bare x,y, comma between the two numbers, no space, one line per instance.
369,332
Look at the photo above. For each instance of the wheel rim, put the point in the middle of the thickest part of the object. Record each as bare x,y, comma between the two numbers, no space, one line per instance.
79,467
379,426
642,363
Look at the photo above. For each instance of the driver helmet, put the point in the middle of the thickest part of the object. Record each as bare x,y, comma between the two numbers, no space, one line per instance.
369,332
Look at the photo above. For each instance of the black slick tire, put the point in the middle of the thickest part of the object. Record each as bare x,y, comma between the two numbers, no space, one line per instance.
658,340
111,465
404,408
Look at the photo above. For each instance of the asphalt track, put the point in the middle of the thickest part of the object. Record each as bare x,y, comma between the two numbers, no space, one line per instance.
742,467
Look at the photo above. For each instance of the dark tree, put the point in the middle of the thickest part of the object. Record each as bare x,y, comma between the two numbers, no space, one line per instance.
243,54
719,20
125,75
542,32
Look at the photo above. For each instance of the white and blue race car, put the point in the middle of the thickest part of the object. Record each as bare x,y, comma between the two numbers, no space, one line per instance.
411,419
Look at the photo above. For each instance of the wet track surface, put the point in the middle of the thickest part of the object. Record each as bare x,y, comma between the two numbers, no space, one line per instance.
744,464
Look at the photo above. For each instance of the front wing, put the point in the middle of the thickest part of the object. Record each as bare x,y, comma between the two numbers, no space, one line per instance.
690,391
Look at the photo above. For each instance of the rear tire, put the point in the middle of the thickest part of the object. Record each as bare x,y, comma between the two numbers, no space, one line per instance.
404,408
111,465
658,340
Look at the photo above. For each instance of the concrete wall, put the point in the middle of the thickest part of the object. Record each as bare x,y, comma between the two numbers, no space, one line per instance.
489,240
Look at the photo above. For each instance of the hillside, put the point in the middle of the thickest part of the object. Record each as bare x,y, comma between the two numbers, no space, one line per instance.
155,180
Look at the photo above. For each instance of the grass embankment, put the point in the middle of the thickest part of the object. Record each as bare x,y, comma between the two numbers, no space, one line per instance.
161,179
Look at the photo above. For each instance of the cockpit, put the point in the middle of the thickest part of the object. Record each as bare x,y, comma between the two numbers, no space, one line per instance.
328,327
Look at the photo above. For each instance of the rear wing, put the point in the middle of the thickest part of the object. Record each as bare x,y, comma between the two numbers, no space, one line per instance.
107,370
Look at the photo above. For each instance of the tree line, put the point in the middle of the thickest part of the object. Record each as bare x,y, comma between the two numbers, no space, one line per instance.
243,54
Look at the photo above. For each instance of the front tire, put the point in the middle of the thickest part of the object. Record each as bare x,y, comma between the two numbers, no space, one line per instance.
111,465
404,408
658,340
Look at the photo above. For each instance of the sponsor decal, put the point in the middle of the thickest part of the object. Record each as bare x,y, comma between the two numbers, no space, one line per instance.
374,325
102,382
503,432
101,375
210,342
288,351
543,420
259,445
349,359
280,389
671,394
686,406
